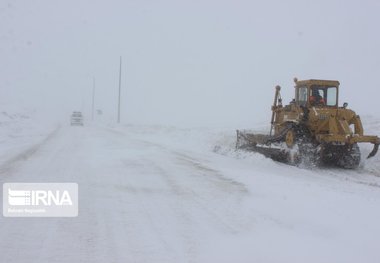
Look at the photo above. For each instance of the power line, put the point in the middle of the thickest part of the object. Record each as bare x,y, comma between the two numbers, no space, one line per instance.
93,99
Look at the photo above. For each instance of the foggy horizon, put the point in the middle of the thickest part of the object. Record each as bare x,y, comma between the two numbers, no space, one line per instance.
189,63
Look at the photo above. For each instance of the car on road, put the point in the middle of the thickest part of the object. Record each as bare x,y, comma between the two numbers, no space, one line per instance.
76,118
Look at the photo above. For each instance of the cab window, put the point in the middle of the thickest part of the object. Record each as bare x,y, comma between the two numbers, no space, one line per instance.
331,96
302,96
323,96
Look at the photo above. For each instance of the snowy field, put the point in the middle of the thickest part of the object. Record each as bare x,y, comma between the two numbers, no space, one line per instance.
20,134
165,194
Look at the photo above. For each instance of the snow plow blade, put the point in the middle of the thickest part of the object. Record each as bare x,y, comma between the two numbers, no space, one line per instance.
262,144
247,140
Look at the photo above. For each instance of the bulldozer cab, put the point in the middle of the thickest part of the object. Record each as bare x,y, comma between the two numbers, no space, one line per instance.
317,93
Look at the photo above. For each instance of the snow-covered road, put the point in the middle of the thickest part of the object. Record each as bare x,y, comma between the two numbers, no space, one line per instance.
145,197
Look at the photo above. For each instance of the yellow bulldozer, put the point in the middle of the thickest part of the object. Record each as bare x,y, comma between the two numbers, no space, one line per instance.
313,129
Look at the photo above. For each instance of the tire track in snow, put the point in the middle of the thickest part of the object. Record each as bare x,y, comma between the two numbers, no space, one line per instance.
185,202
163,204
218,185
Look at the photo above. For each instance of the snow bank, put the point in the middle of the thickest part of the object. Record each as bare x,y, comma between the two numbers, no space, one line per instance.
222,141
19,131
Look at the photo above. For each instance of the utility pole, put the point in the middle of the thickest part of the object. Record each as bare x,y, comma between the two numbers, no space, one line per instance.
118,108
93,99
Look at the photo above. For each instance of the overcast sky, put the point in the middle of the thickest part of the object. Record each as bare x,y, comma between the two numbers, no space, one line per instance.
185,62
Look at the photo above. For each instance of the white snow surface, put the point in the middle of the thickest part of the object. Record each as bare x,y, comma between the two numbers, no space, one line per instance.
167,194
20,133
